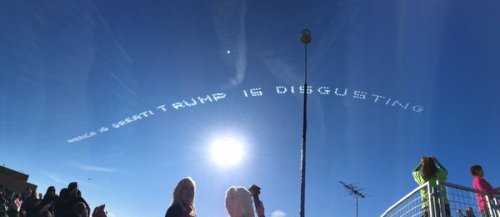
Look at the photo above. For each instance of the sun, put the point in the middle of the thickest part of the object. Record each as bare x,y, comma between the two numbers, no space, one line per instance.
227,151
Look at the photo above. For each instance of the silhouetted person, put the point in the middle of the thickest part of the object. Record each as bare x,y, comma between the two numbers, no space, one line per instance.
15,206
69,197
60,205
469,212
3,206
49,200
99,211
183,199
30,205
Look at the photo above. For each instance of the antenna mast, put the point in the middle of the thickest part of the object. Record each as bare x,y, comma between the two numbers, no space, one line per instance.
353,190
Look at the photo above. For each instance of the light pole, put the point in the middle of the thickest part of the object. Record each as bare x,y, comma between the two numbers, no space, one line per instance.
305,39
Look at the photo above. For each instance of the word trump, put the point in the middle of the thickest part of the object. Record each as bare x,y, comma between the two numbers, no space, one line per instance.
195,101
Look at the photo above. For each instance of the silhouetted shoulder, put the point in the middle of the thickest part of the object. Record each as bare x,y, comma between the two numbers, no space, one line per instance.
175,210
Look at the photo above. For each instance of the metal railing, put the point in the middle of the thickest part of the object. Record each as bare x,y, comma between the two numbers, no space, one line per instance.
462,202
409,205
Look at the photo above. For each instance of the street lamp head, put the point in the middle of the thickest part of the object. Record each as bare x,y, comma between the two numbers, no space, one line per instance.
306,36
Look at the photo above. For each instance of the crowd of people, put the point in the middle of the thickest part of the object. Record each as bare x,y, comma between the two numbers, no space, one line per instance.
431,170
69,203
239,200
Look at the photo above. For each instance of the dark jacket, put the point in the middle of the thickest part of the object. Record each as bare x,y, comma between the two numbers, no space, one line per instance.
176,211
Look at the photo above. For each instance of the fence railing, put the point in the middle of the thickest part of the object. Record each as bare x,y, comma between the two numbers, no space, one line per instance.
461,200
409,205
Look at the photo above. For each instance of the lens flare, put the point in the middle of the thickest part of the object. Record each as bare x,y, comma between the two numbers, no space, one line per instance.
227,152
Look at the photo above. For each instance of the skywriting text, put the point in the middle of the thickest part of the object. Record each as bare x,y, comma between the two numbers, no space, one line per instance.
323,91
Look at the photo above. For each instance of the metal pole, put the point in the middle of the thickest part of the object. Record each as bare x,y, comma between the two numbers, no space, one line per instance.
356,206
305,39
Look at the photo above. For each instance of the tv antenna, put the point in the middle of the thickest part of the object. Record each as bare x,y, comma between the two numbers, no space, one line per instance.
355,191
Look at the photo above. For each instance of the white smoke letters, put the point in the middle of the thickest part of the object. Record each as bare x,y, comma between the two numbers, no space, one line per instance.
202,100
133,118
356,94
281,90
253,92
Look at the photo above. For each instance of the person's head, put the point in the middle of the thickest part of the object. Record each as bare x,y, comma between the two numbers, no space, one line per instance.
51,191
469,212
75,193
239,202
99,211
428,168
184,194
63,194
72,186
476,170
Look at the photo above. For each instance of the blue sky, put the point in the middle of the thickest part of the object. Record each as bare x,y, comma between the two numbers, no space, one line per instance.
70,68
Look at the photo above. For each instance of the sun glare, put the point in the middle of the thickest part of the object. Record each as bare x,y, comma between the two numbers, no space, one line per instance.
227,152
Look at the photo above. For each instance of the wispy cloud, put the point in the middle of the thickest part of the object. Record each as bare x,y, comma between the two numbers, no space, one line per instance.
56,178
93,168
282,70
278,213
229,23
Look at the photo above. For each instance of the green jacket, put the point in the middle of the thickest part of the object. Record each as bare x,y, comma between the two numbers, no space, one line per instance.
441,175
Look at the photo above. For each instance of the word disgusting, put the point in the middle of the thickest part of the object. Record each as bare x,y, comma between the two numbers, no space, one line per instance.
356,94
254,92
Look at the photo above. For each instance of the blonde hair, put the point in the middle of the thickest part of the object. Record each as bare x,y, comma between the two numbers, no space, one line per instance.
177,196
239,202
